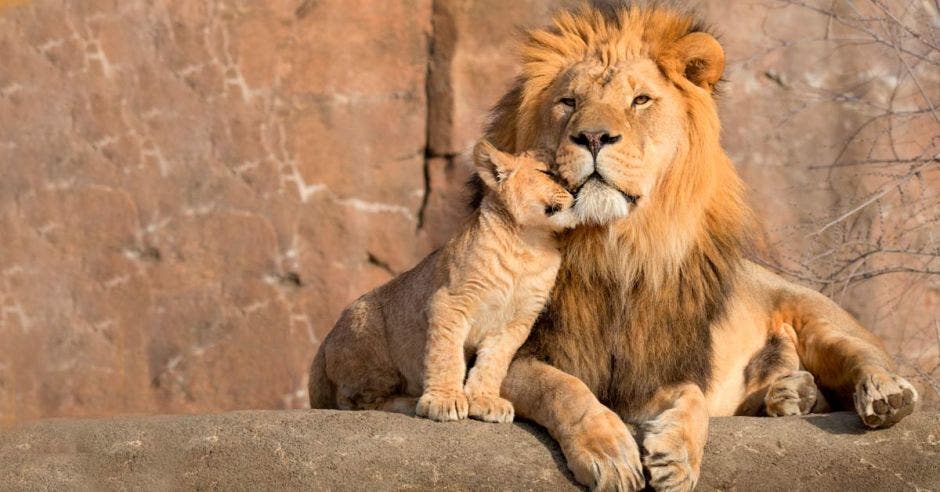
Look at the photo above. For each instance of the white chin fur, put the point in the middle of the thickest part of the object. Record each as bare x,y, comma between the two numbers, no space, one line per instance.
600,204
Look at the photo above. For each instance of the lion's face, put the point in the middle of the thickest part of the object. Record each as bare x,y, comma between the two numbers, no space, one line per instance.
614,130
619,98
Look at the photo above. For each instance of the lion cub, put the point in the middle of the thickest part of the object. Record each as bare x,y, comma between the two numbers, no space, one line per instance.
480,294
494,280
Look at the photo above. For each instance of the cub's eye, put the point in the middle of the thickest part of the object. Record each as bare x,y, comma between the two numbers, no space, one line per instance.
568,101
552,209
641,100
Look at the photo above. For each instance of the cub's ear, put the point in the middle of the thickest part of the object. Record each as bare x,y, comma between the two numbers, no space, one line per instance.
700,58
492,164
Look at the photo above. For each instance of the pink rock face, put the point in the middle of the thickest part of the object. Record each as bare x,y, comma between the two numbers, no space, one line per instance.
191,192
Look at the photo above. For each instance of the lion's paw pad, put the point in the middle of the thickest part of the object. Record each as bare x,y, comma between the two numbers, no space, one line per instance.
882,400
443,406
491,408
793,394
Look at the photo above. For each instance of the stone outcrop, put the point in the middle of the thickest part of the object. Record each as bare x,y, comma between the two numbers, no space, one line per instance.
190,192
330,450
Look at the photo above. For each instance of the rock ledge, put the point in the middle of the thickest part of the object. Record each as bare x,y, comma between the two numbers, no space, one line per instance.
265,450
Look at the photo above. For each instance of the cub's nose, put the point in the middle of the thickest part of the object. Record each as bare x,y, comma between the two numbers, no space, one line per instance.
595,140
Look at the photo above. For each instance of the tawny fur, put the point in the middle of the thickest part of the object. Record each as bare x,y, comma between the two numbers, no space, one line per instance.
479,295
655,314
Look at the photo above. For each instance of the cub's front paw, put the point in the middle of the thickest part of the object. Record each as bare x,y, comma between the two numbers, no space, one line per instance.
602,453
443,406
667,458
882,399
793,394
490,408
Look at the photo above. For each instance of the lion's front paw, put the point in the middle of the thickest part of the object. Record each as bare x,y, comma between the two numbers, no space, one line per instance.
793,394
667,458
883,399
490,408
602,453
443,405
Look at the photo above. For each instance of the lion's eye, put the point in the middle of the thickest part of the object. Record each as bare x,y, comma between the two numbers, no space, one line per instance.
641,100
568,101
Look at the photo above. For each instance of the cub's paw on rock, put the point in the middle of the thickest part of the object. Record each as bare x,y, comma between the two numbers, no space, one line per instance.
882,399
490,408
443,406
793,394
602,453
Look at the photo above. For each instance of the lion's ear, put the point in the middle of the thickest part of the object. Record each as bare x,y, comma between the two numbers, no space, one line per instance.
493,165
701,59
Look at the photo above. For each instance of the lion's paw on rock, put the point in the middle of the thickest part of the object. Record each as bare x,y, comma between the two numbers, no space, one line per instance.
443,406
793,394
491,408
883,399
602,453
667,459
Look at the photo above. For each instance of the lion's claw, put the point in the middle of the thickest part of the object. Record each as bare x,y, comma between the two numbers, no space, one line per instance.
443,406
667,459
602,454
883,399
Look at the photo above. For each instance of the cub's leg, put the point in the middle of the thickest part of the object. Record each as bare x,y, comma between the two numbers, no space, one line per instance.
674,440
493,357
848,359
599,448
444,370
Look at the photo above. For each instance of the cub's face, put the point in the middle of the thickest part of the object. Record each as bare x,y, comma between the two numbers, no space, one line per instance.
614,130
526,186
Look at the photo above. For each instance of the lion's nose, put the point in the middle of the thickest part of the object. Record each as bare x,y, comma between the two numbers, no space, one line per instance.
594,141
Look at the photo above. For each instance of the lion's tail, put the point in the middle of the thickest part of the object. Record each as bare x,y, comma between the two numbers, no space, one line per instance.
322,391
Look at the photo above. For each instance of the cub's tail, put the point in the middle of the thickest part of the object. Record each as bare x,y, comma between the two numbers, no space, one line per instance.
322,391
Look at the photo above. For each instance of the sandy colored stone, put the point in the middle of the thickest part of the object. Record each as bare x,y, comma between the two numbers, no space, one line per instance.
329,450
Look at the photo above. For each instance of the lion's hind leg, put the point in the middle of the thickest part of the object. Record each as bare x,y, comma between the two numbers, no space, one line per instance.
849,361
777,385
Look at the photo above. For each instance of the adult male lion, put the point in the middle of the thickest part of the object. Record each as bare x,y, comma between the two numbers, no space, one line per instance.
656,319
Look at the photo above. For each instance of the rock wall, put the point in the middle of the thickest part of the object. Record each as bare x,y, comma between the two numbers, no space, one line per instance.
190,192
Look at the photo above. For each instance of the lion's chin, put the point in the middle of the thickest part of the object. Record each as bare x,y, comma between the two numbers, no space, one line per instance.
600,204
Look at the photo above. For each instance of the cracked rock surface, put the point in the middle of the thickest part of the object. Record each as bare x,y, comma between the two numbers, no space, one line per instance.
267,450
